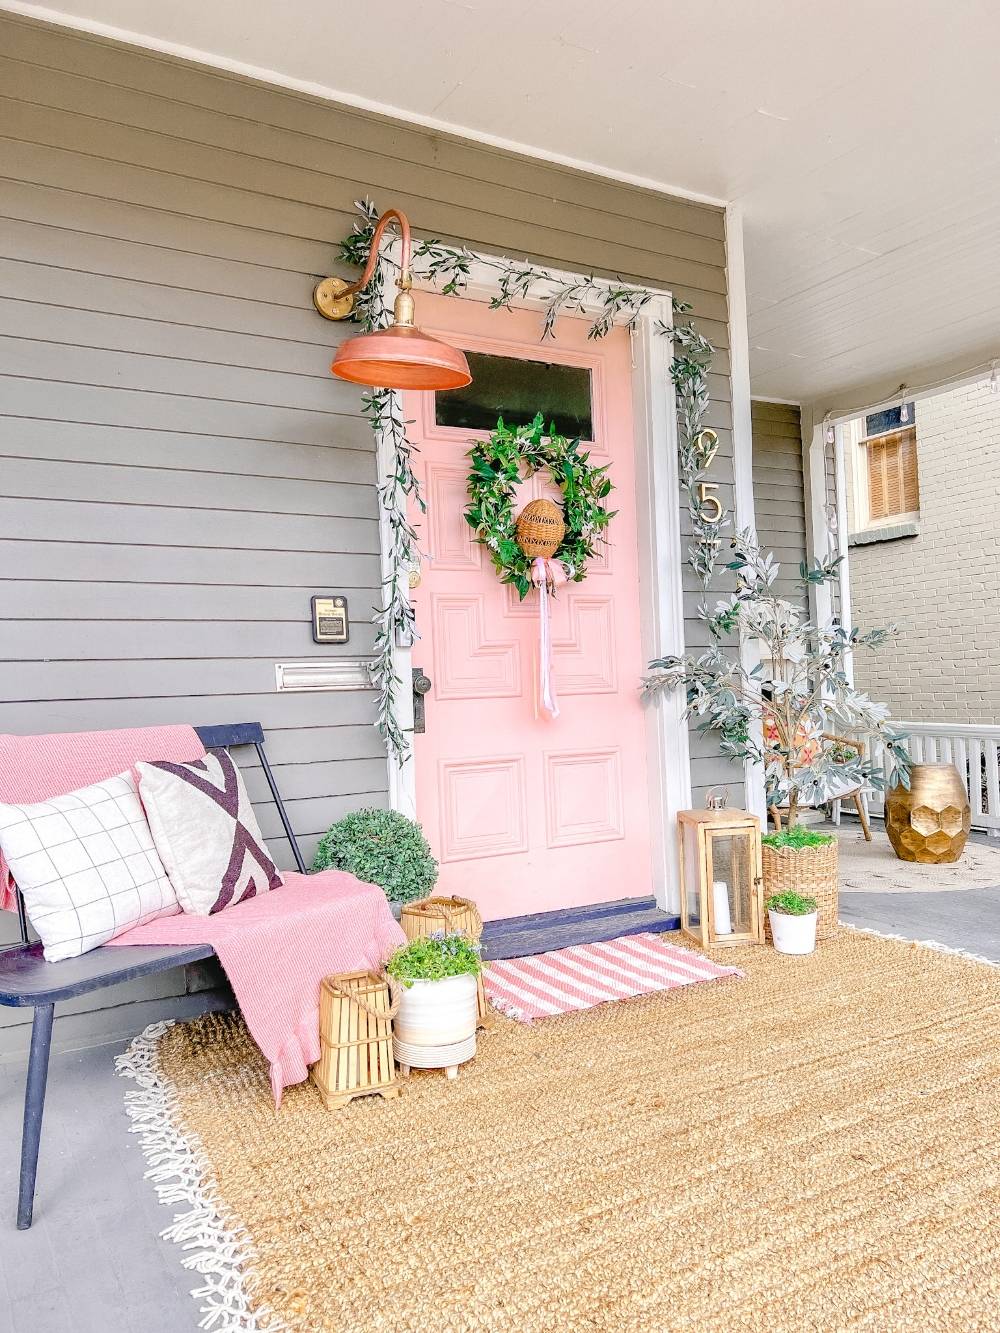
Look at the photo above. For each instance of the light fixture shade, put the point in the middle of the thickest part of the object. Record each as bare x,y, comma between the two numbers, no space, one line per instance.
401,357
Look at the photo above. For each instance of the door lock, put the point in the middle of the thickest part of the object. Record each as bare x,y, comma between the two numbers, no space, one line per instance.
421,686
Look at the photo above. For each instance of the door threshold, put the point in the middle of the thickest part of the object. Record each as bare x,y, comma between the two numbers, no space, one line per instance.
539,932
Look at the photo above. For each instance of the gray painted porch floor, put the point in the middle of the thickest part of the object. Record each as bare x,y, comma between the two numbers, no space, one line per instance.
93,1262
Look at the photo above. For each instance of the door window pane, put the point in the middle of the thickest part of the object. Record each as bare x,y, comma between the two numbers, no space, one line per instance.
506,386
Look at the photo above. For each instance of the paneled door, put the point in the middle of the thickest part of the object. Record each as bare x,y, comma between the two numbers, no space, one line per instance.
527,813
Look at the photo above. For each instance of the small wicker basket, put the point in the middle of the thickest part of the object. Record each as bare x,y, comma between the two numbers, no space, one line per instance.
427,915
540,529
355,1030
811,871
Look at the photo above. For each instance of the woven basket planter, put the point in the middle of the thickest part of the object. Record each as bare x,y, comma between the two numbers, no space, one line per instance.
811,871
427,915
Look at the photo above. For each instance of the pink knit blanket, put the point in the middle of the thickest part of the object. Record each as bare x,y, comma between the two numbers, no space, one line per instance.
276,949
36,768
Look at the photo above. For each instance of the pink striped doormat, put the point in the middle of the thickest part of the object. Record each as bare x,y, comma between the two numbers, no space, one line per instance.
587,974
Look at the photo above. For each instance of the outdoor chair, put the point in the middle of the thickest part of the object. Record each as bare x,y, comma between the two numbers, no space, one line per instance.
27,979
848,791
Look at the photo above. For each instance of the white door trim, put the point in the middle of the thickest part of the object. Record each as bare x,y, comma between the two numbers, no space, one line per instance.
660,566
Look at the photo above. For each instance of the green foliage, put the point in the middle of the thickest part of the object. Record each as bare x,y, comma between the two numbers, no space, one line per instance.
798,836
393,617
500,463
800,689
380,847
433,957
791,903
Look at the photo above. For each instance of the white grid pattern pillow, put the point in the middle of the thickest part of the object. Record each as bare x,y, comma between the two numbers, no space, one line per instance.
86,866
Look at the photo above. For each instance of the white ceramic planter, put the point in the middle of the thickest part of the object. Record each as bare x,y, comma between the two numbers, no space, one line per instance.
435,1027
793,934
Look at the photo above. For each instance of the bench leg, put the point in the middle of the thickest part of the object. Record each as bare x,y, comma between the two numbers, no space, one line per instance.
34,1103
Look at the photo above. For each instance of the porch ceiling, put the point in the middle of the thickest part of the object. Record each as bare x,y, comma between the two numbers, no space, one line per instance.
863,141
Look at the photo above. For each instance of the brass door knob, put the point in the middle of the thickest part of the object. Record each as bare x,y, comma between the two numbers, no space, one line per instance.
421,686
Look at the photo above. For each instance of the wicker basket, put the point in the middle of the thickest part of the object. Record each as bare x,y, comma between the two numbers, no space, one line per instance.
355,1030
540,529
427,915
811,871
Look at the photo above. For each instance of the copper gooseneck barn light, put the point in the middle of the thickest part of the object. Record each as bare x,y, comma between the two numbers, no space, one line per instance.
400,356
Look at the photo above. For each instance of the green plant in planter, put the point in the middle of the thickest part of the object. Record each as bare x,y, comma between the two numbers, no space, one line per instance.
797,837
381,847
775,713
791,903
434,957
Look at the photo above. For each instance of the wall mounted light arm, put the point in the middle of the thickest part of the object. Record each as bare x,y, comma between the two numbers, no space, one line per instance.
334,298
400,356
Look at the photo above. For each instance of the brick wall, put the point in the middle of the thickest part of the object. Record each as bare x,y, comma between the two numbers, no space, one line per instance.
942,586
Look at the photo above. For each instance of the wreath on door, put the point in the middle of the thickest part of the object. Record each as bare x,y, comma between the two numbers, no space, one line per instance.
500,463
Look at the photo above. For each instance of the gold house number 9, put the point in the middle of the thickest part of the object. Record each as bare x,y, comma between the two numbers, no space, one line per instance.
707,442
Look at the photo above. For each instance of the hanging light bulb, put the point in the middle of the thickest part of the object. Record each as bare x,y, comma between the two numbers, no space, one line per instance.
904,412
831,431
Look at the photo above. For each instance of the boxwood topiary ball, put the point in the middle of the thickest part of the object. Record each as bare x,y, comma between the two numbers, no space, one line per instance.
381,847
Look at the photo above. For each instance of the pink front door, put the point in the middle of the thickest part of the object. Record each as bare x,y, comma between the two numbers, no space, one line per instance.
526,813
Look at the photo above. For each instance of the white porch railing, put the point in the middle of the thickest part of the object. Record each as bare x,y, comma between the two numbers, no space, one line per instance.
973,748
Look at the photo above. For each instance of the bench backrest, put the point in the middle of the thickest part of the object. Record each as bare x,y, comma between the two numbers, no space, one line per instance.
224,738
252,733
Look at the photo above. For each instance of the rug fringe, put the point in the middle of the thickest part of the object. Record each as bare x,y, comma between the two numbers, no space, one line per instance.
509,1010
181,1176
923,944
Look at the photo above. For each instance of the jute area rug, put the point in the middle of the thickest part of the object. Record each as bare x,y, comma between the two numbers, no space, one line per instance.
815,1147
873,867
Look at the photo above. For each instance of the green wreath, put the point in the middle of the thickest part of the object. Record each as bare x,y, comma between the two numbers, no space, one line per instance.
500,462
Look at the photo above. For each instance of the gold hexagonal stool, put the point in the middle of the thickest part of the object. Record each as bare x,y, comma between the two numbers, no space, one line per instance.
930,822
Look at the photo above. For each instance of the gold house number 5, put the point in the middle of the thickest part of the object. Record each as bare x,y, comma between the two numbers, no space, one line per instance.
707,443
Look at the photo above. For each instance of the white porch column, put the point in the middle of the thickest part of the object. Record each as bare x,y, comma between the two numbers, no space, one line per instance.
745,516
819,539
843,539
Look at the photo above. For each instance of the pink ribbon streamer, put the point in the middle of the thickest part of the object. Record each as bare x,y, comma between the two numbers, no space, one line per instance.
546,574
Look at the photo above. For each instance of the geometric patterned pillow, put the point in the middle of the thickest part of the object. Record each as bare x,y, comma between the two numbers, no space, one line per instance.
86,866
206,832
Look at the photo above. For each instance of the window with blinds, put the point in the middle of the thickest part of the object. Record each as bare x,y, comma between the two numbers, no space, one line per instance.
892,474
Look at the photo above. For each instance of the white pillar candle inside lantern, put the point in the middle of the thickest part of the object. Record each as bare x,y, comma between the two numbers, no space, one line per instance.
720,907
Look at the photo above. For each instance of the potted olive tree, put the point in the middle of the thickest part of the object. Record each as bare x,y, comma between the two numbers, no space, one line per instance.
793,918
381,847
436,984
776,713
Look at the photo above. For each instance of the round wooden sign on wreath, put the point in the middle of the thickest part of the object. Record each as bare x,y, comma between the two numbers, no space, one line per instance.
499,465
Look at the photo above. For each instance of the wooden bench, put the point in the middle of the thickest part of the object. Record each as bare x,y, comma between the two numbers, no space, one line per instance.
26,979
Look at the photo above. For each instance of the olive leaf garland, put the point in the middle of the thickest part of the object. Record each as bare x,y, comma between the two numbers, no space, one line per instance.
449,269
500,463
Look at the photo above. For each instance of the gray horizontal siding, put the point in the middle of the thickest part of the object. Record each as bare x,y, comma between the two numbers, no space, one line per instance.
178,470
779,497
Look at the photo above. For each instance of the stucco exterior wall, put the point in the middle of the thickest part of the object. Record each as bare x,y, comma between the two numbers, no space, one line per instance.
941,586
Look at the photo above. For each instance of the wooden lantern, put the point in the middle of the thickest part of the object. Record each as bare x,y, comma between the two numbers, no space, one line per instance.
540,529
355,1029
722,886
